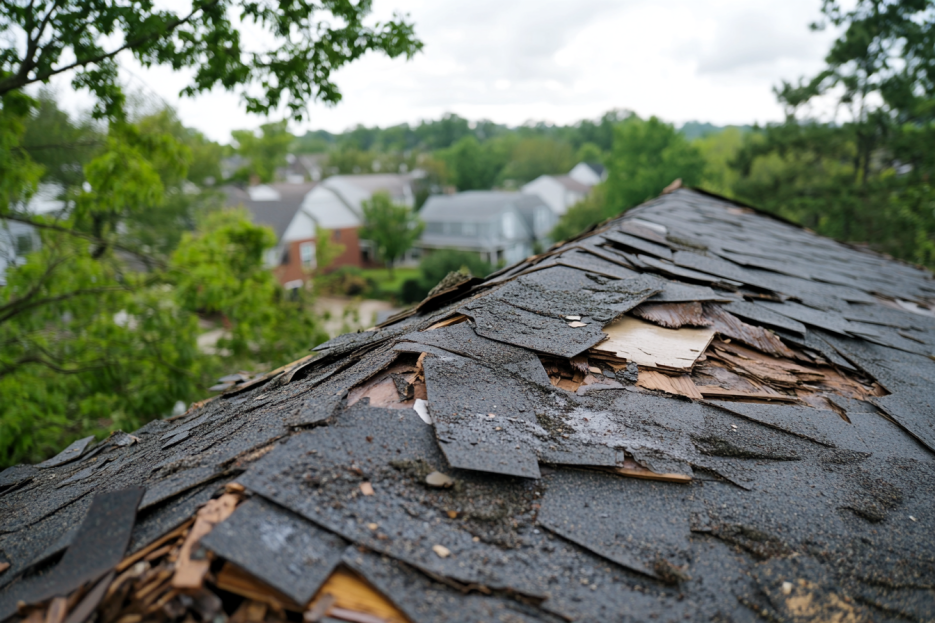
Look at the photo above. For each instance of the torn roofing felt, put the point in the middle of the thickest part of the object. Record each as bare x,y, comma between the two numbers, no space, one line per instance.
694,411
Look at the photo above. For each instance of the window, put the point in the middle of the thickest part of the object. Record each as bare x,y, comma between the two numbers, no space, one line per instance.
509,226
469,229
307,253
336,236
24,244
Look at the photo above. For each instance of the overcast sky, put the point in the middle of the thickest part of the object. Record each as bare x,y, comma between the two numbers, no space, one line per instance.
558,61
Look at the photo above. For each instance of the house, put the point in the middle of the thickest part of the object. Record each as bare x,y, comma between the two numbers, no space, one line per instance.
19,239
588,173
302,168
336,204
559,192
499,226
274,205
696,412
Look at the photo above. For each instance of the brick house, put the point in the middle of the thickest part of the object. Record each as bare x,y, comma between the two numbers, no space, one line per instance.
295,210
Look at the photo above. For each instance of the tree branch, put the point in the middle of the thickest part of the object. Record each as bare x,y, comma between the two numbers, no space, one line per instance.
21,79
78,234
10,368
18,309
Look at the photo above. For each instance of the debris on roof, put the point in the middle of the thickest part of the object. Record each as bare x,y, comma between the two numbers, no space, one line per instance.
696,410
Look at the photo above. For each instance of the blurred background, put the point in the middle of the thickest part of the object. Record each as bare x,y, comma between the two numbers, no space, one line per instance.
195,191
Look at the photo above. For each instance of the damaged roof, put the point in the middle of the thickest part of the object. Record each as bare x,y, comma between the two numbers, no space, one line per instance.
692,412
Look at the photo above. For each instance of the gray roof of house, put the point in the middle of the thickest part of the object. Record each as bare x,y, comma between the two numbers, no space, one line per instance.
276,214
490,455
475,205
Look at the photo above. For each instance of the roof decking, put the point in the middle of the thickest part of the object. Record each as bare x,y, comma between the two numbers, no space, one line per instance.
693,412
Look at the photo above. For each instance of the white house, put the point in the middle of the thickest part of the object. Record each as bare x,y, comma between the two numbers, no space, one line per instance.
559,192
588,173
498,226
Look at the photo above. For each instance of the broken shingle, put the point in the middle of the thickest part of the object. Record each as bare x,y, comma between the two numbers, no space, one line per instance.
280,548
481,421
69,454
640,524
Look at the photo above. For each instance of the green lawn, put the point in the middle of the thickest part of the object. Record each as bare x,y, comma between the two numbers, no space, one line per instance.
382,277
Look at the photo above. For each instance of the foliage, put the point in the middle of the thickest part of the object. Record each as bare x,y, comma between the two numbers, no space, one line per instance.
391,228
866,178
265,151
58,144
346,281
86,345
219,271
436,266
473,166
719,150
647,156
326,249
309,40
532,157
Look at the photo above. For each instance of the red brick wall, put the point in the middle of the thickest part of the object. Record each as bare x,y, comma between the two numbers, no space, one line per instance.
292,270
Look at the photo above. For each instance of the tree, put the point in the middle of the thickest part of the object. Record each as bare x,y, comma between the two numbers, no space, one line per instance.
392,228
87,343
308,41
474,166
719,149
326,249
647,156
219,271
265,152
864,174
532,157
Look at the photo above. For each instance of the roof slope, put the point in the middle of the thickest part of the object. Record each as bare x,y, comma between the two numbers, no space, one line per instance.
276,213
693,412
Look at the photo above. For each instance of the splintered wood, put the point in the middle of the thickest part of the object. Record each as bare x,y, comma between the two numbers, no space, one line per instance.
680,385
746,362
167,580
395,387
673,315
646,344
632,469
344,591
190,573
572,374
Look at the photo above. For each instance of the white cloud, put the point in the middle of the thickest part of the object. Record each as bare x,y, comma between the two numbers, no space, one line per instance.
712,60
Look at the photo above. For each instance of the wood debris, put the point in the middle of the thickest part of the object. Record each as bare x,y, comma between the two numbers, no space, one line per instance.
673,315
395,387
729,326
680,385
447,322
233,579
646,344
345,592
632,469
189,573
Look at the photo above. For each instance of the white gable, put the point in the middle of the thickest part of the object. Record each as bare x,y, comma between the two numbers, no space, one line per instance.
263,193
551,191
584,174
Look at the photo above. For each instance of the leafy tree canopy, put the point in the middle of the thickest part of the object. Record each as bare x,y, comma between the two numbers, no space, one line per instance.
266,151
646,157
308,41
391,228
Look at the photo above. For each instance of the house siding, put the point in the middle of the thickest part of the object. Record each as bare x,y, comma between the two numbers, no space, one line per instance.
292,270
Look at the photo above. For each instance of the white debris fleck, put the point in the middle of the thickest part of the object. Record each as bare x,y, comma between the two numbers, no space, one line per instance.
422,408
